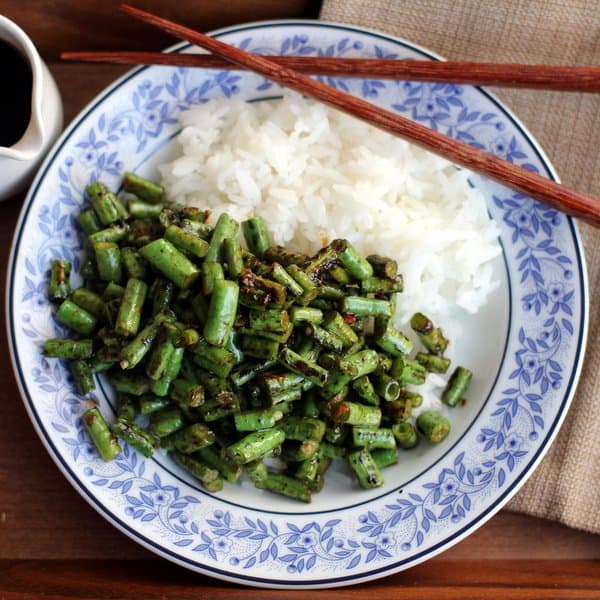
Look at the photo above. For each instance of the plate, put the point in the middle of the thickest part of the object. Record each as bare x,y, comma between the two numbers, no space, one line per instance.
526,345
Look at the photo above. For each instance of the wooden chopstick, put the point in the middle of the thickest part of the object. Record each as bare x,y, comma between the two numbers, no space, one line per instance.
554,194
540,77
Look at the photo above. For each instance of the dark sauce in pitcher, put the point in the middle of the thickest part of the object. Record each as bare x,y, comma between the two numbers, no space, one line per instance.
15,97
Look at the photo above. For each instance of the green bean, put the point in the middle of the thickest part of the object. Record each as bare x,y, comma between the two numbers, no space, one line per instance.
115,233
325,338
230,471
387,387
159,360
186,242
108,260
431,337
367,437
104,203
253,420
130,310
285,257
356,264
457,385
258,347
310,469
214,359
135,266
89,270
357,414
364,388
221,312
133,353
204,473
334,323
297,451
325,259
174,265
73,349
280,275
226,227
89,301
398,410
135,436
309,406
307,284
219,389
83,377
232,253
185,338
187,393
192,438
302,428
254,445
256,235
394,342
287,486
149,404
340,274
127,383
166,421
367,471
332,451
89,222
276,383
277,321
76,318
301,314
433,363
359,364
142,188
160,387
382,266
112,291
144,210
336,433
366,307
307,369
249,371
408,371
379,285
384,457
99,431
433,426
60,286
211,273
405,434
126,408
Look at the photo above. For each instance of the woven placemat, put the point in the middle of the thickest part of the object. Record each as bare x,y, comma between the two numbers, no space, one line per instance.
566,486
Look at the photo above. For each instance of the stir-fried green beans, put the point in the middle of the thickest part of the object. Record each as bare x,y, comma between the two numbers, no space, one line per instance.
233,354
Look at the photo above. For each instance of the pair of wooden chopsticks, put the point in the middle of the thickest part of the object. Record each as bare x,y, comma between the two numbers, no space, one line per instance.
279,70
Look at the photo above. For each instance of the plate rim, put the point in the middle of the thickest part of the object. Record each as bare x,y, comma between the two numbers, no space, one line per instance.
350,579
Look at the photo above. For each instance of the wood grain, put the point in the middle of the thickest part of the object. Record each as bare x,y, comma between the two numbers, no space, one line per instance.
59,25
55,546
541,77
517,178
452,580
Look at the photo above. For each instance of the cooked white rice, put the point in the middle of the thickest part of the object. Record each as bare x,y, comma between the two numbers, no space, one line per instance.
315,174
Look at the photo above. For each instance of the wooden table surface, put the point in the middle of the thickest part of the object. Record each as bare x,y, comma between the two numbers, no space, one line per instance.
53,544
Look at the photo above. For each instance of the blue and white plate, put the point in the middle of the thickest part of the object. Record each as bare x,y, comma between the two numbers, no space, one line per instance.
526,346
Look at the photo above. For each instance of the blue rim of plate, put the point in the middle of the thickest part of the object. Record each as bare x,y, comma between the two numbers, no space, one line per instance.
428,551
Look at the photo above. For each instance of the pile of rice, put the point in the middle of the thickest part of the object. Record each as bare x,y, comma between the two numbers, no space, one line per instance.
315,174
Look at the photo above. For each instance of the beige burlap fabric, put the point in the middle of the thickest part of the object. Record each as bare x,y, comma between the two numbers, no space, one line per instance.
566,486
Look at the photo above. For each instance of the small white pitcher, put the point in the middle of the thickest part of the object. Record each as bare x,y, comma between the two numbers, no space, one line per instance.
18,163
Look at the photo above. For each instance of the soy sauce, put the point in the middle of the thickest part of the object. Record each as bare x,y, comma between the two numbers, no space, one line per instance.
15,98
